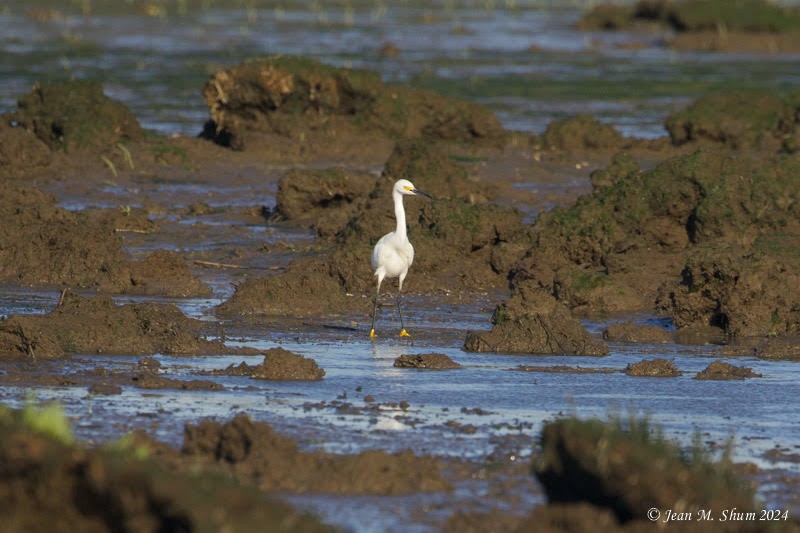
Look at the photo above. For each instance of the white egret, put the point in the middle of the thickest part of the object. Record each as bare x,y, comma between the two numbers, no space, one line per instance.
393,253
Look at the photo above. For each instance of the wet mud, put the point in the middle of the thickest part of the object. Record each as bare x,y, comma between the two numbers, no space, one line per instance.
48,245
96,325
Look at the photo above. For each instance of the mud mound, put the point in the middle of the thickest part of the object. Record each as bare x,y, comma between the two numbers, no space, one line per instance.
653,368
630,332
279,364
296,97
45,244
254,453
581,132
46,484
547,328
21,152
76,116
744,291
307,287
740,119
98,325
435,361
720,370
629,471
165,273
323,199
424,160
696,236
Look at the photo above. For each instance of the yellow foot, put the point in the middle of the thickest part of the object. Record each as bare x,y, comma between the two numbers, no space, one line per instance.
404,333
372,334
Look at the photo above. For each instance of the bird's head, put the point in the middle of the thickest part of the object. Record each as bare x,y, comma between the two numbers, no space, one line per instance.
406,187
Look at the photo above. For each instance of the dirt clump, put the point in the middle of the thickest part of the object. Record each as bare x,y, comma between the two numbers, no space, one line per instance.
653,368
118,488
48,245
309,103
628,471
76,116
630,332
742,120
278,364
581,132
434,361
253,452
720,370
540,325
97,325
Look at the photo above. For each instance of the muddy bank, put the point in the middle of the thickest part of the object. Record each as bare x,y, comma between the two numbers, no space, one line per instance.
253,453
46,244
705,237
294,107
758,26
97,325
278,364
45,476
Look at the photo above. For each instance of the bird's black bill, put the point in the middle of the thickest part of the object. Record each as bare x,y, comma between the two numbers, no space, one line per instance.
419,192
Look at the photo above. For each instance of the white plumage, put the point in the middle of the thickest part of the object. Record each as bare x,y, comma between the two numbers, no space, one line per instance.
393,253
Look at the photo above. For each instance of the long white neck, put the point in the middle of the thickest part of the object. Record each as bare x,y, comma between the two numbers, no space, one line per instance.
400,215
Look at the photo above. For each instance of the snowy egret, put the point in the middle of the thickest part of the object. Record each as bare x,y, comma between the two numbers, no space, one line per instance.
393,253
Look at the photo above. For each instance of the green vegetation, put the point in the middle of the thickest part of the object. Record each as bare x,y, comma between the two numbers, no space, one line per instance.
48,420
